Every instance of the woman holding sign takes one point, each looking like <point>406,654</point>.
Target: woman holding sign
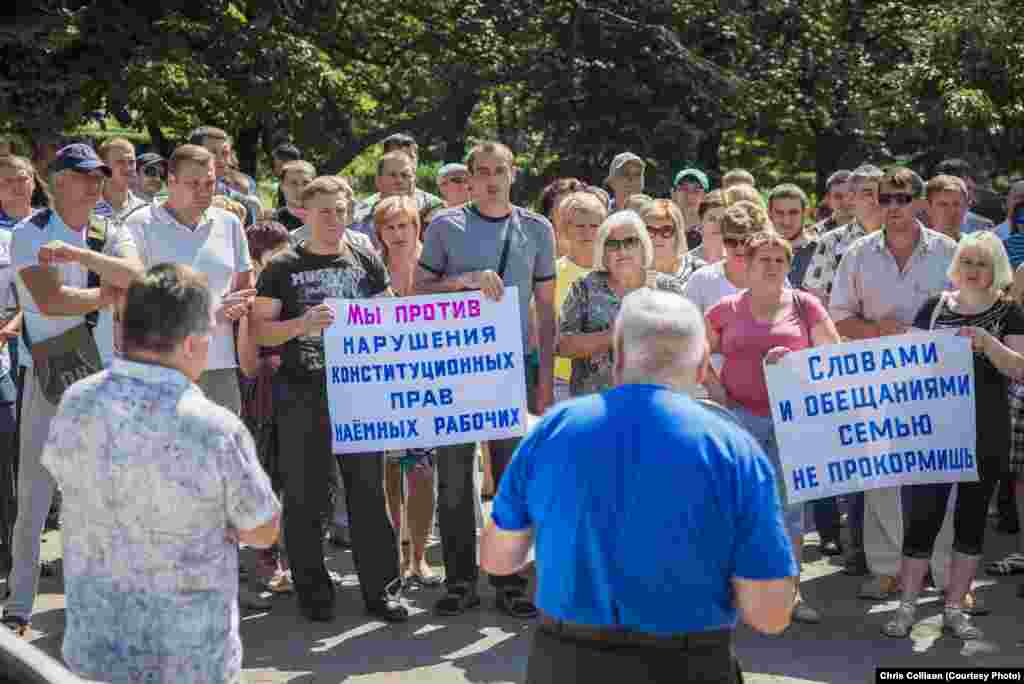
<point>978,309</point>
<point>409,474</point>
<point>622,256</point>
<point>758,326</point>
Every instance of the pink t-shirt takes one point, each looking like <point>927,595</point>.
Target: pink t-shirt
<point>745,341</point>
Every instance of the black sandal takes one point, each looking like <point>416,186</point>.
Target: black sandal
<point>513,602</point>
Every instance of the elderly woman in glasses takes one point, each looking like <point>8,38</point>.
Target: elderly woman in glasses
<point>623,254</point>
<point>979,309</point>
<point>667,228</point>
<point>757,326</point>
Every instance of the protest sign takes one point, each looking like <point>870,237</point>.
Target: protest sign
<point>419,372</point>
<point>875,413</point>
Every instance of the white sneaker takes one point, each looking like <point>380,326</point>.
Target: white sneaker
<point>901,624</point>
<point>958,623</point>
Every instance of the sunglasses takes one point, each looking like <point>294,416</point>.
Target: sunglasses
<point>690,187</point>
<point>632,242</point>
<point>663,232</point>
<point>733,243</point>
<point>153,171</point>
<point>899,199</point>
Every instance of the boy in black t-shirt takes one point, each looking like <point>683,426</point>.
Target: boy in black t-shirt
<point>290,312</point>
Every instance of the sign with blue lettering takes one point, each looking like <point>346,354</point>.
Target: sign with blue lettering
<point>420,372</point>
<point>875,413</point>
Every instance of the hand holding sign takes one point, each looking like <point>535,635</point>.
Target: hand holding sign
<point>234,305</point>
<point>488,282</point>
<point>317,318</point>
<point>979,337</point>
<point>775,354</point>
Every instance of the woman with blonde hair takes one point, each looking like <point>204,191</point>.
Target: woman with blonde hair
<point>667,228</point>
<point>979,309</point>
<point>409,474</point>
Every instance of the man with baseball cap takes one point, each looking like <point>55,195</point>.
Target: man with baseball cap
<point>453,182</point>
<point>67,267</point>
<point>625,178</point>
<point>688,190</point>
<point>152,172</point>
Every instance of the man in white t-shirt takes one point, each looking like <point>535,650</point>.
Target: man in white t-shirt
<point>53,253</point>
<point>186,229</point>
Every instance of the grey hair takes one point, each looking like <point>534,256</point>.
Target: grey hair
<point>622,219</point>
<point>659,334</point>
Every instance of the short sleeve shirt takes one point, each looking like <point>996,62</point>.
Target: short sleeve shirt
<point>105,210</point>
<point>300,280</point>
<point>568,273</point>
<point>26,241</point>
<point>462,240</point>
<point>6,296</point>
<point>666,503</point>
<point>153,475</point>
<point>216,247</point>
<point>592,306</point>
<point>830,250</point>
<point>870,284</point>
<point>745,341</point>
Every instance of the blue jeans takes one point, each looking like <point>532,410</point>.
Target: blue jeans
<point>763,430</point>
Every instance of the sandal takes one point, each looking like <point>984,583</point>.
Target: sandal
<point>1011,565</point>
<point>513,602</point>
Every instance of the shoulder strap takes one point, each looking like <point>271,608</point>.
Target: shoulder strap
<point>513,220</point>
<point>937,310</point>
<point>799,306</point>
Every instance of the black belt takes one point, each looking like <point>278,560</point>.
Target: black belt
<point>613,636</point>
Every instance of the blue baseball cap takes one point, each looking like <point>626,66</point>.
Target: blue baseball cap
<point>79,157</point>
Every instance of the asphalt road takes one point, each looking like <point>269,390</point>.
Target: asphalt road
<point>485,646</point>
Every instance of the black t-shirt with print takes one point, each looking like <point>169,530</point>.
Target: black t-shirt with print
<point>301,280</point>
<point>991,406</point>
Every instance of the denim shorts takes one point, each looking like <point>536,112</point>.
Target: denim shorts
<point>763,430</point>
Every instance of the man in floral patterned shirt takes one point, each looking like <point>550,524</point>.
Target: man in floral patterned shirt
<point>159,485</point>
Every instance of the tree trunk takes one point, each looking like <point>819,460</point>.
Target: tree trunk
<point>247,147</point>
<point>455,137</point>
<point>160,143</point>
<point>709,152</point>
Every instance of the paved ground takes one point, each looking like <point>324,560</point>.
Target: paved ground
<point>484,646</point>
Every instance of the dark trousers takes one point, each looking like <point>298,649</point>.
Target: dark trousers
<point>557,659</point>
<point>926,508</point>
<point>855,519</point>
<point>456,495</point>
<point>1007,505</point>
<point>826,518</point>
<point>308,468</point>
<point>8,465</point>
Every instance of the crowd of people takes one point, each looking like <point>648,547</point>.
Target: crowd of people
<point>191,316</point>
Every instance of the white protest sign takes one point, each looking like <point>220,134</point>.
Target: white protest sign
<point>419,372</point>
<point>875,413</point>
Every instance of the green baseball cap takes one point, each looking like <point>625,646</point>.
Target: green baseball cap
<point>695,174</point>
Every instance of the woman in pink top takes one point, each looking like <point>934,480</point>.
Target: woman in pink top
<point>757,326</point>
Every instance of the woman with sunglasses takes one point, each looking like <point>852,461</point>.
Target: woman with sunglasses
<point>667,229</point>
<point>759,326</point>
<point>623,254</point>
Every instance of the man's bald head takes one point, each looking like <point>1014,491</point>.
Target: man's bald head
<point>659,338</point>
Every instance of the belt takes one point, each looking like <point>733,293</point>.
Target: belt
<point>618,636</point>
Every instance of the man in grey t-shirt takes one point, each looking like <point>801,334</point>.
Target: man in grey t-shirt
<point>463,250</point>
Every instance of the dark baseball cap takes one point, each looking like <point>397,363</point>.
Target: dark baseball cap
<point>79,157</point>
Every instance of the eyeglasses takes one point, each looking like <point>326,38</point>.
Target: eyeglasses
<point>153,171</point>
<point>631,242</point>
<point>663,232</point>
<point>900,199</point>
<point>733,243</point>
<point>690,187</point>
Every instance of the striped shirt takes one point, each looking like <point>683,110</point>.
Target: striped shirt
<point>1014,243</point>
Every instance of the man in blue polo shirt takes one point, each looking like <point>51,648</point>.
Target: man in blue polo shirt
<point>656,519</point>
